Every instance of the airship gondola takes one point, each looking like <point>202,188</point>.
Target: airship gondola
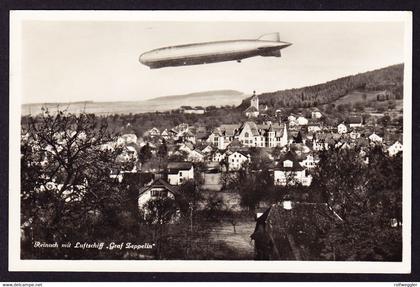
<point>268,45</point>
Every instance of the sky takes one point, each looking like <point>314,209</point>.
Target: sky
<point>66,61</point>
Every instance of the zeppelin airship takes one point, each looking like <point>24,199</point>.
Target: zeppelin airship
<point>268,45</point>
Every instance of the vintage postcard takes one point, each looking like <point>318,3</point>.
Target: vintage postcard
<point>210,141</point>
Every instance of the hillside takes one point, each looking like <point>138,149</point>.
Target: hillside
<point>205,99</point>
<point>387,80</point>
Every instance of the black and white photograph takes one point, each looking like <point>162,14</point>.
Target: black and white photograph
<point>219,140</point>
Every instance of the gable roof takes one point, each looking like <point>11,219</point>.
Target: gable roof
<point>174,167</point>
<point>160,183</point>
<point>252,126</point>
<point>228,129</point>
<point>277,230</point>
<point>293,157</point>
<point>251,109</point>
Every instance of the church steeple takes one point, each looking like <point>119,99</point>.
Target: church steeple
<point>255,101</point>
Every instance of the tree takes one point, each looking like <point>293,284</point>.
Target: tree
<point>367,201</point>
<point>66,189</point>
<point>145,153</point>
<point>159,213</point>
<point>163,150</point>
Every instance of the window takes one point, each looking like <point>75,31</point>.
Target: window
<point>180,173</point>
<point>246,134</point>
<point>287,163</point>
<point>159,193</point>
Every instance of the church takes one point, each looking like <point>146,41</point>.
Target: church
<point>253,110</point>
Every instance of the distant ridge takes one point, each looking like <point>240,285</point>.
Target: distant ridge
<point>197,95</point>
<point>206,98</point>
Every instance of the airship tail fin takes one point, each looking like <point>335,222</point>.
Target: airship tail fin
<point>274,37</point>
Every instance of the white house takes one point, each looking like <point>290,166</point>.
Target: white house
<point>180,172</point>
<point>218,156</point>
<point>196,110</point>
<point>302,121</point>
<point>312,128</point>
<point>395,148</point>
<point>153,132</point>
<point>290,172</point>
<point>342,128</point>
<point>195,156</point>
<point>165,134</point>
<point>316,114</point>
<point>127,139</point>
<point>236,160</point>
<point>309,162</point>
<point>158,189</point>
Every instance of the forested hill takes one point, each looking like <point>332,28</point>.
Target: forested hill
<point>386,79</point>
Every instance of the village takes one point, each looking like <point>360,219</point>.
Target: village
<point>291,146</point>
<point>227,182</point>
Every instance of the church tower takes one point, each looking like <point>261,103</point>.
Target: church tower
<point>254,101</point>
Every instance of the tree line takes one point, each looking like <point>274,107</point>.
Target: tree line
<point>389,79</point>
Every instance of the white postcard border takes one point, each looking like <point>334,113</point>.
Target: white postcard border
<point>17,264</point>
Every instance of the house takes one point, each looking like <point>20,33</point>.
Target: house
<point>290,172</point>
<point>342,128</point>
<point>249,136</point>
<point>374,138</point>
<point>212,177</point>
<point>186,147</point>
<point>128,153</point>
<point>302,121</point>
<point>237,159</point>
<point>158,189</point>
<point>207,150</point>
<point>316,114</point>
<point>310,161</point>
<point>153,132</point>
<point>253,110</point>
<point>291,118</point>
<point>313,128</point>
<point>201,134</point>
<point>355,121</point>
<point>195,156</point>
<point>286,231</point>
<point>354,134</point>
<point>127,139</point>
<point>218,156</point>
<point>196,110</point>
<point>186,136</point>
<point>227,134</point>
<point>395,148</point>
<point>165,134</point>
<point>179,172</point>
